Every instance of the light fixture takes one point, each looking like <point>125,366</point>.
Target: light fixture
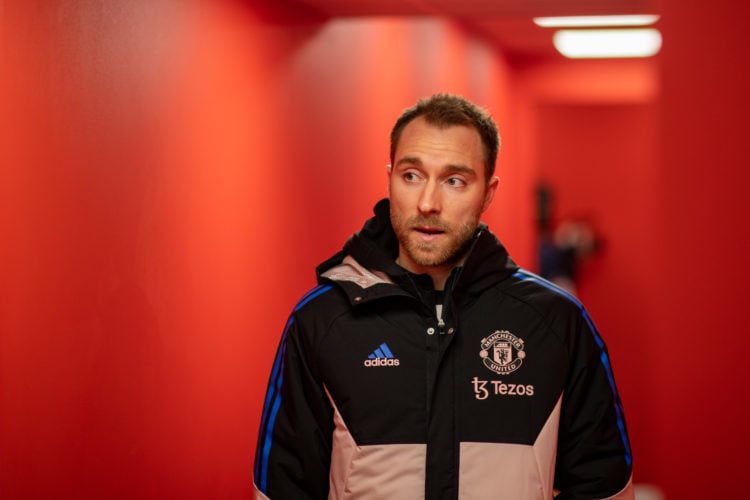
<point>644,42</point>
<point>595,21</point>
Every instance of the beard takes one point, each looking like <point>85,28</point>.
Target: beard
<point>450,248</point>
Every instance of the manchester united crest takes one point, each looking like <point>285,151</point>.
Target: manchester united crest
<point>502,352</point>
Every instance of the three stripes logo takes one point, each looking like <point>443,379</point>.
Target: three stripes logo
<point>382,356</point>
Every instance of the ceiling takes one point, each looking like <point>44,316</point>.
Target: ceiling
<point>506,23</point>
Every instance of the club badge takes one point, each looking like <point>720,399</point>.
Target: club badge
<point>502,352</point>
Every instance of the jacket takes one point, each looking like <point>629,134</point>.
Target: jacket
<point>508,394</point>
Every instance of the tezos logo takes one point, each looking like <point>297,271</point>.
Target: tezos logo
<point>502,352</point>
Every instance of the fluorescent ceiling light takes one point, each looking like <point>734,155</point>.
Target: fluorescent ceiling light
<point>591,21</point>
<point>608,43</point>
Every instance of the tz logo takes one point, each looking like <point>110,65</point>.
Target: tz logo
<point>502,352</point>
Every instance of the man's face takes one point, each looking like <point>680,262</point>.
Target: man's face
<point>438,191</point>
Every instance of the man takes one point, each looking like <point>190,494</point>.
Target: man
<point>426,364</point>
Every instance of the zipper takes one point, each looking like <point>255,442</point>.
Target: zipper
<point>432,344</point>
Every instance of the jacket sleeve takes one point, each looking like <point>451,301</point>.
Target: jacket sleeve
<point>292,457</point>
<point>594,457</point>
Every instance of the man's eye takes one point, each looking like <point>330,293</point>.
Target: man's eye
<point>455,182</point>
<point>410,177</point>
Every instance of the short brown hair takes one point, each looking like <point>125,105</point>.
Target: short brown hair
<point>445,110</point>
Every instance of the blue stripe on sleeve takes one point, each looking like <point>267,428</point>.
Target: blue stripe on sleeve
<point>315,292</point>
<point>272,401</point>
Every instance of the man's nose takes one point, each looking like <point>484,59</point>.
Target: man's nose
<point>429,199</point>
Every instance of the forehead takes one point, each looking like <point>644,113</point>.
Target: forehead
<point>453,144</point>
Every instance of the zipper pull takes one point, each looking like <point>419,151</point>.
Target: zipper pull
<point>441,326</point>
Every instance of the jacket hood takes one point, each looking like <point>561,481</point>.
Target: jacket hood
<point>375,247</point>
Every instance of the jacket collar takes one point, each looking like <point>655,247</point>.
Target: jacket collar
<point>366,267</point>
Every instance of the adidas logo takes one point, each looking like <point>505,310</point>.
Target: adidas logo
<point>382,356</point>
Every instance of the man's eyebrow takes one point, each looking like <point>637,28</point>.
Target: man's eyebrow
<point>452,168</point>
<point>461,169</point>
<point>409,160</point>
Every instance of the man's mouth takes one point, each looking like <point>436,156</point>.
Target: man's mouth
<point>428,233</point>
<point>428,230</point>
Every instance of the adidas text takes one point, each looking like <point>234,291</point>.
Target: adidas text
<point>381,362</point>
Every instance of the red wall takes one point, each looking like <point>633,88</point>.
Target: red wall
<point>171,173</point>
<point>701,268</point>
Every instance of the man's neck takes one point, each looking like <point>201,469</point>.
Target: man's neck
<point>440,279</point>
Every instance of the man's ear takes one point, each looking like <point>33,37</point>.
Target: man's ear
<point>490,194</point>
<point>389,169</point>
